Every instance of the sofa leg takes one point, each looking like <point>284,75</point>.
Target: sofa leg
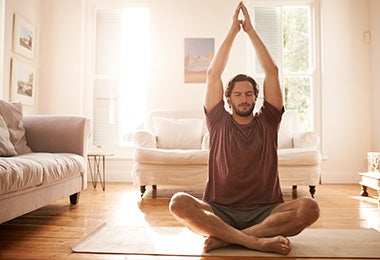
<point>74,198</point>
<point>154,192</point>
<point>142,190</point>
<point>294,191</point>
<point>312,191</point>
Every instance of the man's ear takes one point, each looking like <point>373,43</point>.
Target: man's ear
<point>228,101</point>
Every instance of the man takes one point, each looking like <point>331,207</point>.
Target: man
<point>243,203</point>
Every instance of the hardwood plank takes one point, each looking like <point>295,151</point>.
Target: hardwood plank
<point>50,231</point>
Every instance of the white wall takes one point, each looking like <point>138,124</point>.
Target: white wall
<point>374,8</point>
<point>350,82</point>
<point>61,66</point>
<point>2,26</point>
<point>346,114</point>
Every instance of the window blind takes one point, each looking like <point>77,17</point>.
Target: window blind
<point>268,26</point>
<point>106,112</point>
<point>106,82</point>
<point>108,42</point>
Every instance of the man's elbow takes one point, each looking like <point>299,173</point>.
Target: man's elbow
<point>213,74</point>
<point>273,71</point>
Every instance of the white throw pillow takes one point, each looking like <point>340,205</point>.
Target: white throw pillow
<point>12,114</point>
<point>307,140</point>
<point>6,147</point>
<point>178,133</point>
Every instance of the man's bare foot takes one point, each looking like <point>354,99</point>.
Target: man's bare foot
<point>214,243</point>
<point>278,244</point>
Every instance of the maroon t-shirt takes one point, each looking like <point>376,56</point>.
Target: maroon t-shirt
<point>243,164</point>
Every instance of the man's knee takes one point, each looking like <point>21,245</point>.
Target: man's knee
<point>309,211</point>
<point>178,202</point>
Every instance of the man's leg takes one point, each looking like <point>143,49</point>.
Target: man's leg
<point>199,217</point>
<point>287,219</point>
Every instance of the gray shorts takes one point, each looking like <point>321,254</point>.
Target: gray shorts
<point>241,219</point>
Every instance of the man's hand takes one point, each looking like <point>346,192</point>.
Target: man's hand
<point>236,23</point>
<point>246,22</point>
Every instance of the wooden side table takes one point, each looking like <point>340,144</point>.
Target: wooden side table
<point>370,180</point>
<point>95,172</point>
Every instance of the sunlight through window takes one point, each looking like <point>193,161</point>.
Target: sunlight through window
<point>135,67</point>
<point>121,76</point>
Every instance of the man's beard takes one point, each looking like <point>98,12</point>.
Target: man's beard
<point>243,113</point>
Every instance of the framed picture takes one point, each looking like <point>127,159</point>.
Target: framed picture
<point>198,55</point>
<point>23,86</point>
<point>23,37</point>
<point>373,161</point>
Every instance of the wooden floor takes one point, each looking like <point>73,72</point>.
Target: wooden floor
<point>49,232</point>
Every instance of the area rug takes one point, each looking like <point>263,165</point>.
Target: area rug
<point>163,192</point>
<point>178,241</point>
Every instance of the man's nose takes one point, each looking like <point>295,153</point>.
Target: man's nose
<point>244,98</point>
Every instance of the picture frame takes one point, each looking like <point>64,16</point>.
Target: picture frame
<point>198,55</point>
<point>23,86</point>
<point>23,37</point>
<point>373,159</point>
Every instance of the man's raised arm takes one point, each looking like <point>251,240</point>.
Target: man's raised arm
<point>272,89</point>
<point>214,84</point>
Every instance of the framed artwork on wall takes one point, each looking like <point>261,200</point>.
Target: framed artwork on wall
<point>23,37</point>
<point>373,161</point>
<point>23,85</point>
<point>198,55</point>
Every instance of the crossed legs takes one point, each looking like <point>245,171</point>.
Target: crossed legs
<point>287,219</point>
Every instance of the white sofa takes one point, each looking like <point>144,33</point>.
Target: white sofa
<point>173,150</point>
<point>43,159</point>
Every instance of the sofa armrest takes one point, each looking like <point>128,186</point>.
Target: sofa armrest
<point>144,138</point>
<point>205,141</point>
<point>306,140</point>
<point>57,133</point>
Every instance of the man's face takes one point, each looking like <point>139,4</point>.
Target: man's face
<point>242,99</point>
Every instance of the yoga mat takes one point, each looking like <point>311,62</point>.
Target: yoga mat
<point>180,241</point>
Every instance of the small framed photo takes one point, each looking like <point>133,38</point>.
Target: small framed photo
<point>23,86</point>
<point>373,161</point>
<point>23,37</point>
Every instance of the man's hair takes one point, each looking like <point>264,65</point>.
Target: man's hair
<point>238,78</point>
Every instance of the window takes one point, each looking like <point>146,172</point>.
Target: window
<point>288,32</point>
<point>121,73</point>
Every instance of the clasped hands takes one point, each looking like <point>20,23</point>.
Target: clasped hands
<point>244,23</point>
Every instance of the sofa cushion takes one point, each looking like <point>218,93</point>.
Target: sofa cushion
<point>178,133</point>
<point>31,169</point>
<point>12,114</point>
<point>6,147</point>
<point>57,166</point>
<point>298,156</point>
<point>170,157</point>
<point>17,174</point>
